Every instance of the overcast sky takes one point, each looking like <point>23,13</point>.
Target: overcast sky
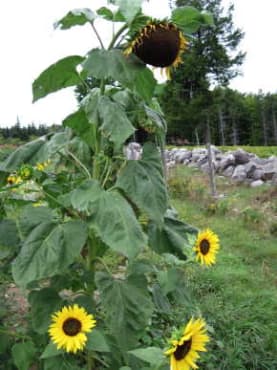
<point>29,44</point>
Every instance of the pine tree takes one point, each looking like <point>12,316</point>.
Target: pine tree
<point>211,59</point>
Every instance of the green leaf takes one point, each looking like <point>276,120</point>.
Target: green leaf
<point>76,17</point>
<point>51,350</point>
<point>79,123</point>
<point>152,355</point>
<point>144,184</point>
<point>112,218</point>
<point>187,18</point>
<point>160,300</point>
<point>129,71</point>
<point>30,217</point>
<point>208,18</point>
<point>116,124</point>
<point>97,342</point>
<point>128,307</point>
<point>23,354</point>
<point>156,117</point>
<point>24,154</point>
<point>58,76</point>
<point>61,363</point>
<point>9,239</point>
<point>4,342</point>
<point>129,8</point>
<point>169,279</point>
<point>172,237</point>
<point>48,250</point>
<point>43,303</point>
<point>105,13</point>
<point>173,281</point>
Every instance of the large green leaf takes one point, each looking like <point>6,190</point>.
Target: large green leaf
<point>49,249</point>
<point>129,71</point>
<point>144,184</point>
<point>111,217</point>
<point>128,307</point>
<point>107,14</point>
<point>187,18</point>
<point>79,123</point>
<point>152,355</point>
<point>172,237</point>
<point>23,354</point>
<point>30,217</point>
<point>115,123</point>
<point>129,8</point>
<point>97,341</point>
<point>58,76</point>
<point>24,154</point>
<point>44,303</point>
<point>9,238</point>
<point>76,17</point>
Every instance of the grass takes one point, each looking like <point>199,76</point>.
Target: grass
<point>238,296</point>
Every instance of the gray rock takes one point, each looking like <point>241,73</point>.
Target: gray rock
<point>226,161</point>
<point>256,183</point>
<point>258,174</point>
<point>241,156</point>
<point>270,169</point>
<point>239,173</point>
<point>250,167</point>
<point>182,155</point>
<point>228,172</point>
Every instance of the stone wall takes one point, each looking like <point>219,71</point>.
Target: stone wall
<point>239,165</point>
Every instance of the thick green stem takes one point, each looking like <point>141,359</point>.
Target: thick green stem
<point>116,36</point>
<point>90,362</point>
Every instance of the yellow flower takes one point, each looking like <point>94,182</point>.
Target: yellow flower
<point>69,327</point>
<point>159,44</point>
<point>13,179</point>
<point>206,247</point>
<point>184,351</point>
<point>42,165</point>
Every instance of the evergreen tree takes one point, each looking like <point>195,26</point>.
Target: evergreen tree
<point>211,59</point>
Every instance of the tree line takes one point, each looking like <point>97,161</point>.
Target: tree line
<point>18,133</point>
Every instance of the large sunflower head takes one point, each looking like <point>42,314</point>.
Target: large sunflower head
<point>206,247</point>
<point>184,349</point>
<point>69,327</point>
<point>159,44</point>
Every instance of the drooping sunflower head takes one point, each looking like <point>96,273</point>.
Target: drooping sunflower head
<point>159,44</point>
<point>69,327</point>
<point>206,247</point>
<point>184,349</point>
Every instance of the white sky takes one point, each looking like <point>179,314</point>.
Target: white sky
<point>29,44</point>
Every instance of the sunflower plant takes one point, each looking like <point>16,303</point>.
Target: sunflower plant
<point>80,228</point>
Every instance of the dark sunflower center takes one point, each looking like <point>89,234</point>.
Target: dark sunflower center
<point>72,327</point>
<point>158,47</point>
<point>204,246</point>
<point>182,350</point>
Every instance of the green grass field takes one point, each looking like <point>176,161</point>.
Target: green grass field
<point>238,296</point>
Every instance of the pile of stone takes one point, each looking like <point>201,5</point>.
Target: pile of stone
<point>239,165</point>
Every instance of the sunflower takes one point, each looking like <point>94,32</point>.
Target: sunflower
<point>159,44</point>
<point>14,179</point>
<point>206,247</point>
<point>69,326</point>
<point>184,350</point>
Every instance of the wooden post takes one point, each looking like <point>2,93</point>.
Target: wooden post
<point>210,161</point>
